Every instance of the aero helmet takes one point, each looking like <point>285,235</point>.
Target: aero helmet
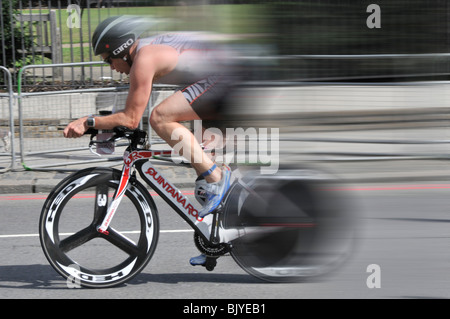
<point>116,35</point>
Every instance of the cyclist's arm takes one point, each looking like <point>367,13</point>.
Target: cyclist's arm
<point>141,80</point>
<point>150,62</point>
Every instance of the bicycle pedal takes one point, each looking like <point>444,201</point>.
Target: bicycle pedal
<point>210,263</point>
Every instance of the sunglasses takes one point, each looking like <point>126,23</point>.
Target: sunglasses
<point>108,60</point>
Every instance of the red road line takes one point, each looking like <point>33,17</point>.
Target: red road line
<point>389,188</point>
<point>43,196</point>
<point>351,188</point>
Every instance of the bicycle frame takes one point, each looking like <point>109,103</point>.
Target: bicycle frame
<point>208,226</point>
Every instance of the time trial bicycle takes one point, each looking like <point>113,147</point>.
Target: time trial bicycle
<point>280,228</point>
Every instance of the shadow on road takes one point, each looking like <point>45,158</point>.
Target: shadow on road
<point>29,277</point>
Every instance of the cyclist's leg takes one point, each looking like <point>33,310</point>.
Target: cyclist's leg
<point>165,120</point>
<point>208,98</point>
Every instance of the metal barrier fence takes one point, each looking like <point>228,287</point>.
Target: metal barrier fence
<point>7,132</point>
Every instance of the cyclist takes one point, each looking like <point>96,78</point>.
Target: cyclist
<point>180,58</point>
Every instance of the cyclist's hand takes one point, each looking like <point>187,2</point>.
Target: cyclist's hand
<point>76,128</point>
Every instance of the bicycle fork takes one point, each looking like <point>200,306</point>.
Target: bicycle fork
<point>102,228</point>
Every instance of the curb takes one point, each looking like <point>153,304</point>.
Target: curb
<point>17,183</point>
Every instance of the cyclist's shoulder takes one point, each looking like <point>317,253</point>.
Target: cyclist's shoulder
<point>155,53</point>
<point>179,40</point>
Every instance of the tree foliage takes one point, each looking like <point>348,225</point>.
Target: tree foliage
<point>14,41</point>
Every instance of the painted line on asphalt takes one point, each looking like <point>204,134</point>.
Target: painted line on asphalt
<point>355,188</point>
<point>124,232</point>
<point>351,188</point>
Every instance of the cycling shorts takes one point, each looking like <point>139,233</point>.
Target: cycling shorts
<point>208,96</point>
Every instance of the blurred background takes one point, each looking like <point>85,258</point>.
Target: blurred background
<point>344,84</point>
<point>306,40</point>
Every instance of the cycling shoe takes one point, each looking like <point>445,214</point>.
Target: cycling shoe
<point>214,192</point>
<point>198,261</point>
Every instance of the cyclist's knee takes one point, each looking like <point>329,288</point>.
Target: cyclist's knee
<point>156,118</point>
